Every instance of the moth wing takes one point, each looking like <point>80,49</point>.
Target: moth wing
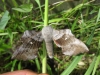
<point>67,41</point>
<point>27,47</point>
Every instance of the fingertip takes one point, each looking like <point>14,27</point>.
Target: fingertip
<point>20,72</point>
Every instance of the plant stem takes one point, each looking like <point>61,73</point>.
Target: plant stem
<point>44,61</point>
<point>46,13</point>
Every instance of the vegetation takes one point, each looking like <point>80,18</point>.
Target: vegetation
<point>83,20</point>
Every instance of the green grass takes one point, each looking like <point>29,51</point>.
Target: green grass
<point>83,20</point>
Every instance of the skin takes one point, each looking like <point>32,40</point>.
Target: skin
<point>22,72</point>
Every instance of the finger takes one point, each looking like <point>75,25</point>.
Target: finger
<point>20,72</point>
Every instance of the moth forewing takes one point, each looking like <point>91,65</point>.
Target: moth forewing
<point>29,44</point>
<point>67,41</point>
<point>28,33</point>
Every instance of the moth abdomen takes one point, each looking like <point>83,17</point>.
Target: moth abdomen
<point>49,47</point>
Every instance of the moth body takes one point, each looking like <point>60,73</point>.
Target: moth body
<point>47,35</point>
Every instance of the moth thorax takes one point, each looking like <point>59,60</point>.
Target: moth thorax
<point>47,33</point>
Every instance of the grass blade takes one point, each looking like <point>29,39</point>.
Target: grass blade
<point>98,17</point>
<point>72,65</point>
<point>37,64</point>
<point>38,2</point>
<point>88,72</point>
<point>96,65</point>
<point>13,65</point>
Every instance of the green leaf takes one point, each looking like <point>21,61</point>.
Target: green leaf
<point>96,65</point>
<point>98,17</point>
<point>56,20</point>
<point>13,65</point>
<point>4,20</point>
<point>72,65</point>
<point>38,64</point>
<point>19,66</point>
<point>1,34</point>
<point>38,2</point>
<point>88,72</point>
<point>24,8</point>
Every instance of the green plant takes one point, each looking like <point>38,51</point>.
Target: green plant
<point>14,23</point>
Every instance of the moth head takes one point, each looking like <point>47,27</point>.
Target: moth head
<point>47,33</point>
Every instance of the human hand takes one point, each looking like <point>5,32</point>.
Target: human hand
<point>22,72</point>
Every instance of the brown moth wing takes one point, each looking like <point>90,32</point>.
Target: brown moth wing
<point>27,47</point>
<point>67,41</point>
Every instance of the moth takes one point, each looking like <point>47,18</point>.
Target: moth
<point>28,45</point>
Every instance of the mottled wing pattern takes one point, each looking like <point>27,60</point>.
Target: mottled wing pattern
<point>27,47</point>
<point>67,41</point>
